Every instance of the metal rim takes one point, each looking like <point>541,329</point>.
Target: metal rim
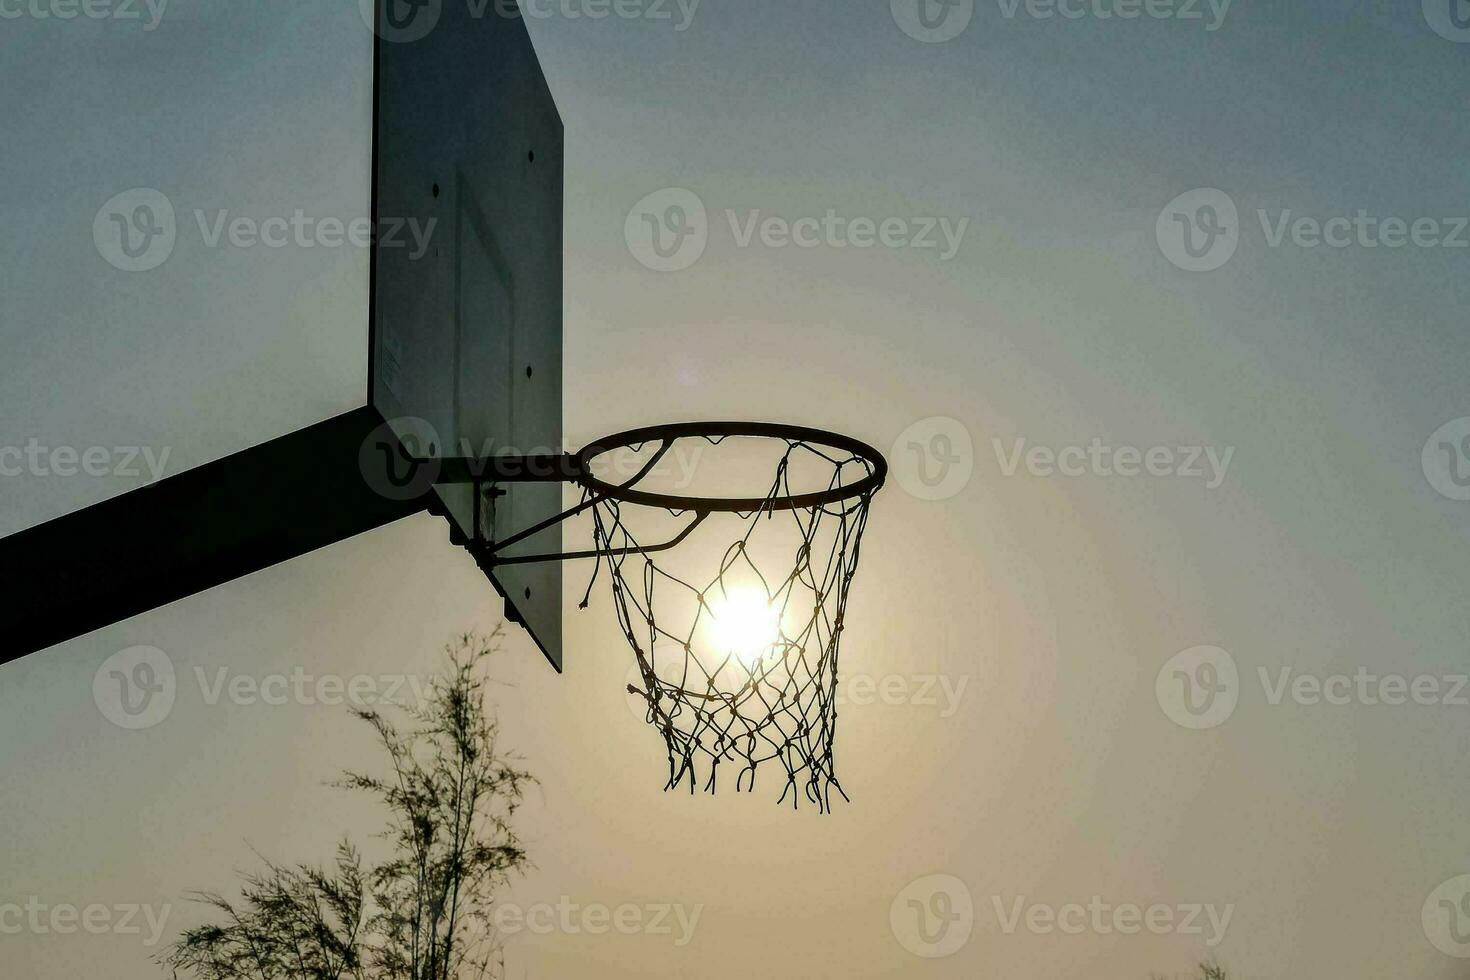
<point>867,486</point>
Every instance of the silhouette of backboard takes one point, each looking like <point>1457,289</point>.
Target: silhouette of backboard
<point>246,238</point>
<point>469,337</point>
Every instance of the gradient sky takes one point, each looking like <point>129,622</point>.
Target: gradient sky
<point>1055,601</point>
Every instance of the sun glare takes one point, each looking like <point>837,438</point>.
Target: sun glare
<point>745,623</point>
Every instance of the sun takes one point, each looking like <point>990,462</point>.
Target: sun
<point>745,623</point>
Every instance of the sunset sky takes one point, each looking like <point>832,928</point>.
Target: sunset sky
<point>1126,459</point>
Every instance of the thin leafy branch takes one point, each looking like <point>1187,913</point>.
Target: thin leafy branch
<point>423,913</point>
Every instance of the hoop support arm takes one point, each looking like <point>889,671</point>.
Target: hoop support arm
<point>490,553</point>
<point>576,468</point>
<point>485,472</point>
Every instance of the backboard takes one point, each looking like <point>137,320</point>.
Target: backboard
<point>468,336</point>
<point>207,328</point>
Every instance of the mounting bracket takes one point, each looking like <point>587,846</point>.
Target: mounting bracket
<point>487,473</point>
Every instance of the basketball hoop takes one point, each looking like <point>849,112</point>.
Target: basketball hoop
<point>737,633</point>
<point>763,690</point>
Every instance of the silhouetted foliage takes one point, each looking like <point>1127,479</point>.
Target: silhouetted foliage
<point>425,912</point>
